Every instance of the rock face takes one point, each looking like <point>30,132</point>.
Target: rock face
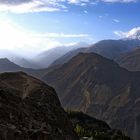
<point>30,110</point>
<point>101,88</point>
<point>130,61</point>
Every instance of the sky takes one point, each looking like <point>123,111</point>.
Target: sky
<point>32,26</point>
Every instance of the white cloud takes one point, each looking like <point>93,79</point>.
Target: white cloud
<point>100,16</point>
<point>13,2</point>
<point>86,12</point>
<point>96,1</point>
<point>121,1</point>
<point>116,20</point>
<point>61,35</point>
<point>103,16</point>
<point>79,2</point>
<point>24,6</point>
<point>16,38</point>
<point>132,34</point>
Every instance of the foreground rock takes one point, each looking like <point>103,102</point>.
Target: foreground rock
<point>30,110</point>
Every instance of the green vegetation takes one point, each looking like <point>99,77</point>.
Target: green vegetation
<point>86,126</point>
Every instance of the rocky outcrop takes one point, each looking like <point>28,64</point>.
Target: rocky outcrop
<point>30,110</point>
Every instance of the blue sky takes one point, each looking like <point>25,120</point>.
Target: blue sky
<point>44,24</point>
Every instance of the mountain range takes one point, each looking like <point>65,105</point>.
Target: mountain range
<point>45,58</point>
<point>97,80</point>
<point>99,87</point>
<point>111,49</point>
<point>108,48</point>
<point>7,66</point>
<point>17,59</point>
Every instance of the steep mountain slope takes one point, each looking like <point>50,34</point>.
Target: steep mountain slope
<point>99,87</point>
<point>107,48</point>
<point>130,61</point>
<point>49,56</point>
<point>29,109</point>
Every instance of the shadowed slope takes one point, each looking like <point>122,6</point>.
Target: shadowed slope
<point>29,109</point>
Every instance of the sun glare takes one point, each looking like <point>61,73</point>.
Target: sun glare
<point>18,39</point>
<point>10,35</point>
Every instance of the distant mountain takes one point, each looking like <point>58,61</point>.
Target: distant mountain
<point>132,43</point>
<point>26,63</point>
<point>6,65</point>
<point>107,48</point>
<point>68,56</point>
<point>29,109</point>
<point>131,60</point>
<point>47,57</point>
<point>40,73</point>
<point>99,87</point>
<point>19,60</point>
